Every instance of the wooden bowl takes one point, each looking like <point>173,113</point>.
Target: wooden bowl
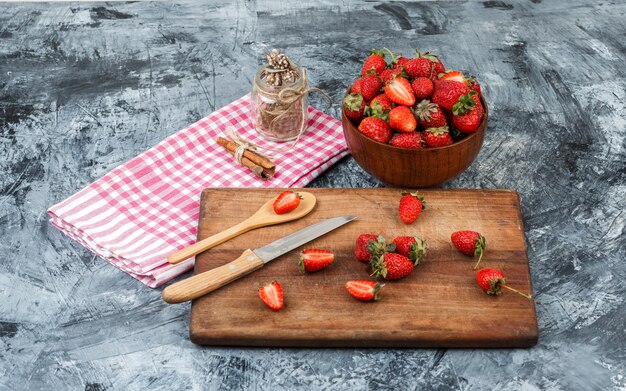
<point>401,167</point>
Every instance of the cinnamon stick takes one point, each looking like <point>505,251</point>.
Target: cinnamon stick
<point>261,166</point>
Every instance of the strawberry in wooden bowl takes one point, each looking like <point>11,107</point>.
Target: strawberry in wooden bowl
<point>411,123</point>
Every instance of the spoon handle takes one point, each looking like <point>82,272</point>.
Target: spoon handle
<point>207,243</point>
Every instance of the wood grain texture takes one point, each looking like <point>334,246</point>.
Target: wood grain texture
<point>439,305</point>
<point>424,167</point>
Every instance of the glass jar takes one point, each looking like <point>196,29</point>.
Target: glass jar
<point>280,113</point>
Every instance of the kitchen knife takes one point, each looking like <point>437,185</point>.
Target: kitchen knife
<point>250,260</point>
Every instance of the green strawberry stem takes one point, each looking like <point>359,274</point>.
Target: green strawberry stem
<point>516,291</point>
<point>480,257</point>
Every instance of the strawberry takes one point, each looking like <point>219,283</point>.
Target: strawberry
<point>370,86</point>
<point>411,140</point>
<point>383,101</point>
<point>411,206</point>
<point>454,75</point>
<point>437,137</point>
<point>312,260</point>
<point>368,245</point>
<point>391,266</point>
<point>272,295</point>
<point>375,61</point>
<point>447,93</point>
<point>437,64</point>
<point>286,202</point>
<point>364,290</point>
<point>401,118</point>
<point>419,67</point>
<point>468,113</point>
<point>491,281</point>
<point>411,247</point>
<point>356,86</point>
<point>375,128</point>
<point>470,243</point>
<point>400,62</point>
<point>422,87</point>
<point>389,74</point>
<point>399,90</point>
<point>473,84</point>
<point>430,115</point>
<point>353,106</point>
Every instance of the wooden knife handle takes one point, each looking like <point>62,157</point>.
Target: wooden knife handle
<point>207,243</point>
<point>203,283</point>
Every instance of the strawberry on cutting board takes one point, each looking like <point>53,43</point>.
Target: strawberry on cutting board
<point>412,247</point>
<point>286,202</point>
<point>410,207</point>
<point>272,295</point>
<point>364,290</point>
<point>391,266</point>
<point>368,245</point>
<point>470,243</point>
<point>491,281</point>
<point>312,260</point>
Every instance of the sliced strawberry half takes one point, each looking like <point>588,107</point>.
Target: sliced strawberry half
<point>313,259</point>
<point>399,90</point>
<point>272,295</point>
<point>454,75</point>
<point>286,202</point>
<point>364,290</point>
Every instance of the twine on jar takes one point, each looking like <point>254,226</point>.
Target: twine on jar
<point>286,98</point>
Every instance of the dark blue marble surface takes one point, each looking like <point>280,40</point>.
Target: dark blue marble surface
<point>87,86</point>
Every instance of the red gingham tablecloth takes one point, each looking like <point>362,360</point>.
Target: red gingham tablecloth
<point>141,211</point>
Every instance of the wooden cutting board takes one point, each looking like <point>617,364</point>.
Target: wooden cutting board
<point>438,305</point>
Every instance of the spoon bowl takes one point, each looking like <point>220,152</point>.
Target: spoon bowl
<point>263,217</point>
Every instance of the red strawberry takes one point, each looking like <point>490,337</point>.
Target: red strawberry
<point>388,74</point>
<point>468,113</point>
<point>439,68</point>
<point>422,87</point>
<point>447,93</point>
<point>401,118</point>
<point>364,290</point>
<point>399,90</point>
<point>411,247</point>
<point>368,245</point>
<point>376,128</point>
<point>437,64</point>
<point>473,84</point>
<point>419,67</point>
<point>272,295</point>
<point>437,137</point>
<point>356,86</point>
<point>353,106</point>
<point>470,243</point>
<point>375,61</point>
<point>411,206</point>
<point>286,202</point>
<point>491,281</point>
<point>400,62</point>
<point>411,140</point>
<point>391,266</point>
<point>383,101</point>
<point>430,115</point>
<point>312,260</point>
<point>370,86</point>
<point>454,75</point>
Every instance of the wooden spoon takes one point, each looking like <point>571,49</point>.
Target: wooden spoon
<point>261,218</point>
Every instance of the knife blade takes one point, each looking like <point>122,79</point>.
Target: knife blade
<point>250,260</point>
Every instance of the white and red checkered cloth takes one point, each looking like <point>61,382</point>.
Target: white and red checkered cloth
<point>141,211</point>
